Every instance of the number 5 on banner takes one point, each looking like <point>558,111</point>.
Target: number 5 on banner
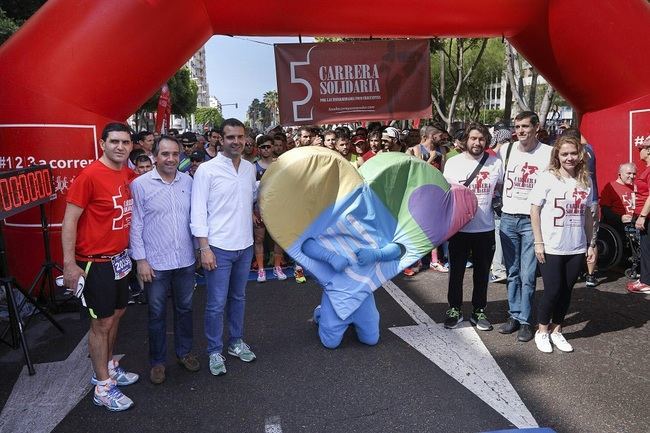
<point>295,80</point>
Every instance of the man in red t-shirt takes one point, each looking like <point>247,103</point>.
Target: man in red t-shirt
<point>617,199</point>
<point>95,238</point>
<point>642,285</point>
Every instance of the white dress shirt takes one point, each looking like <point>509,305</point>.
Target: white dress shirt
<point>222,203</point>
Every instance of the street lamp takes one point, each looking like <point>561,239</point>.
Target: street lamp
<point>226,105</point>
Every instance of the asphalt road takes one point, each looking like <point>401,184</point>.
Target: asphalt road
<point>296,385</point>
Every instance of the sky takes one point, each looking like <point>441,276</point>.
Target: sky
<point>242,68</point>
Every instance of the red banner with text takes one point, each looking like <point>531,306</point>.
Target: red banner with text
<point>353,81</point>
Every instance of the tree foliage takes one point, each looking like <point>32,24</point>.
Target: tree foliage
<point>183,91</point>
<point>13,13</point>
<point>271,102</point>
<point>259,116</point>
<point>208,117</point>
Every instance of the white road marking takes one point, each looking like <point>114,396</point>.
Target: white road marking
<point>38,403</point>
<point>461,354</point>
<point>272,425</point>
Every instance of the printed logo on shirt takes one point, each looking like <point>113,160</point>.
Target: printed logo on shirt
<point>628,202</point>
<point>481,184</point>
<point>125,206</point>
<point>520,184</point>
<point>571,211</point>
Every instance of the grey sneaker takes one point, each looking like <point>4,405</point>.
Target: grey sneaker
<point>479,319</point>
<point>454,317</point>
<point>217,364</point>
<point>241,350</point>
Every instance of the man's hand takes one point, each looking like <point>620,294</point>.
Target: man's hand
<point>257,219</point>
<point>71,275</point>
<point>626,218</point>
<point>539,253</point>
<point>208,260</point>
<point>640,223</point>
<point>145,272</point>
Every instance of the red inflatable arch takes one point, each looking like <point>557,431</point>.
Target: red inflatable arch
<point>78,64</point>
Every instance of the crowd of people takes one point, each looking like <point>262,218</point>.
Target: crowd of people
<point>163,207</point>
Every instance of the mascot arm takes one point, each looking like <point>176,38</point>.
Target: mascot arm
<point>368,256</point>
<point>314,251</point>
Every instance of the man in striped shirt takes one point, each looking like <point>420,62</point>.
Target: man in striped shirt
<point>161,243</point>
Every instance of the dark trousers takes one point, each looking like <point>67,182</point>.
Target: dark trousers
<point>559,274</point>
<point>645,255</point>
<point>481,246</point>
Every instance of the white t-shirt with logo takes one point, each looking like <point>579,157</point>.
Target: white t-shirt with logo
<point>564,204</point>
<point>458,169</point>
<point>521,172</point>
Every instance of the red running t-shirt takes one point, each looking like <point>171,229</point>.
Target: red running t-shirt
<point>618,197</point>
<point>104,195</point>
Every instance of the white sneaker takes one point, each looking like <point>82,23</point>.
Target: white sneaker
<point>542,342</point>
<point>261,276</point>
<point>277,271</point>
<point>560,342</point>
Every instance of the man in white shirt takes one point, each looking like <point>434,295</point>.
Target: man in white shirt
<point>221,220</point>
<point>479,172</point>
<point>523,161</point>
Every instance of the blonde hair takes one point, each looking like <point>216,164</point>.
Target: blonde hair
<point>582,175</point>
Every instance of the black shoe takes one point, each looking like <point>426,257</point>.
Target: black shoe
<point>480,320</point>
<point>454,317</point>
<point>525,333</point>
<point>510,326</point>
<point>591,280</point>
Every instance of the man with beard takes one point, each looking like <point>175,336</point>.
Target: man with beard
<point>477,237</point>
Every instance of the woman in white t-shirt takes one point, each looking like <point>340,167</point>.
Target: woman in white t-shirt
<point>563,227</point>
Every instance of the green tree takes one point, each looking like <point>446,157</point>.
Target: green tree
<point>208,116</point>
<point>182,90</point>
<point>270,100</point>
<point>258,115</point>
<point>452,67</point>
<point>13,13</point>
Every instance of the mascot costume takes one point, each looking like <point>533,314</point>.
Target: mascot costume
<point>355,230</point>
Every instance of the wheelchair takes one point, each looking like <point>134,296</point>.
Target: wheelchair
<point>614,245</point>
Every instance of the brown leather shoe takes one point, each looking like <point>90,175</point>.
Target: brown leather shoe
<point>157,374</point>
<point>190,362</point>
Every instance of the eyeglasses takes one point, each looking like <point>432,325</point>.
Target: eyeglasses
<point>265,147</point>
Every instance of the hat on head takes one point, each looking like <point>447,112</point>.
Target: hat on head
<point>197,155</point>
<point>391,132</point>
<point>358,139</point>
<point>188,137</point>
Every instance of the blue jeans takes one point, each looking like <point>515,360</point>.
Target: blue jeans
<point>518,245</point>
<point>181,284</point>
<point>226,283</point>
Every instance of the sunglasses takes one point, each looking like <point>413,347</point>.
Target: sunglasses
<point>265,147</point>
<point>188,145</point>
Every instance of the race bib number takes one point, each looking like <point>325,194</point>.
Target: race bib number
<point>121,265</point>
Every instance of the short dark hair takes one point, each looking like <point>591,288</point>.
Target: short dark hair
<point>534,118</point>
<point>572,132</point>
<point>342,134</point>
<point>156,143</point>
<point>134,154</point>
<point>143,134</point>
<point>115,127</point>
<point>280,136</point>
<point>233,123</point>
<point>141,158</point>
